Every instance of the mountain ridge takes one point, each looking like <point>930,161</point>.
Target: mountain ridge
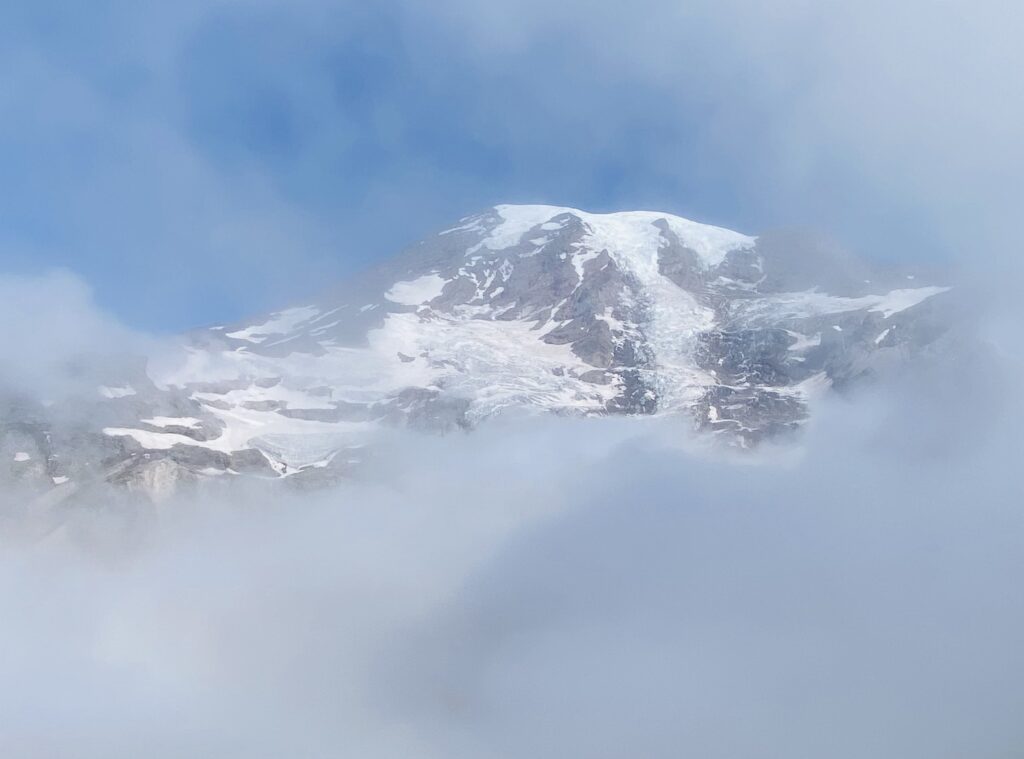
<point>538,308</point>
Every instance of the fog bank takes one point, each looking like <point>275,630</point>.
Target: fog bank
<point>549,587</point>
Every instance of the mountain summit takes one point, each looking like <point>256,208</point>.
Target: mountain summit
<point>520,307</point>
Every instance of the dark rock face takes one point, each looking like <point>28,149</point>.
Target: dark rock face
<point>746,356</point>
<point>430,410</point>
<point>519,307</point>
<point>679,264</point>
<point>750,414</point>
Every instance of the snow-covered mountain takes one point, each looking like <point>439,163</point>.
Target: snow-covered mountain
<point>520,307</point>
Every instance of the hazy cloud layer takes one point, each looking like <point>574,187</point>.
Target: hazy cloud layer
<point>541,587</point>
<point>56,338</point>
<point>548,587</point>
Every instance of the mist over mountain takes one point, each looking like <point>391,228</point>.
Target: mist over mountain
<point>732,477</point>
<point>544,586</point>
<point>519,309</point>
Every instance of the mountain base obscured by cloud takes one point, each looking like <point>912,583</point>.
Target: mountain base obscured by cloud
<point>545,588</point>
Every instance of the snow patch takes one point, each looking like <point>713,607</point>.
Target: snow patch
<point>711,243</point>
<point>803,342</point>
<point>417,291</point>
<point>173,421</point>
<point>471,224</point>
<point>901,300</point>
<point>811,303</point>
<point>280,323</point>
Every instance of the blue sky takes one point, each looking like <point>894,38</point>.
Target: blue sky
<point>201,162</point>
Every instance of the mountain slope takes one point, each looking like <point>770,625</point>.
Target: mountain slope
<point>523,307</point>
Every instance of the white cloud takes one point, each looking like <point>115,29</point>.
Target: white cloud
<point>54,333</point>
<point>542,588</point>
